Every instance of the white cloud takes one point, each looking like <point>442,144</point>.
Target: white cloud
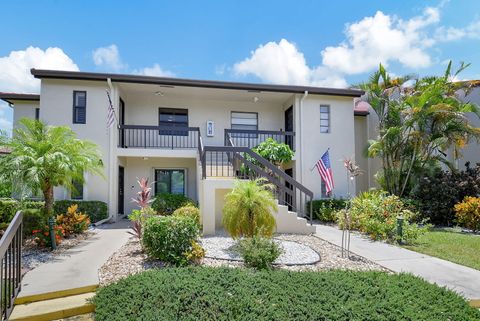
<point>15,68</point>
<point>15,73</point>
<point>108,57</point>
<point>155,70</point>
<point>383,38</point>
<point>283,63</point>
<point>471,31</point>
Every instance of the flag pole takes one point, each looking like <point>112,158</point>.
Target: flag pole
<point>109,81</point>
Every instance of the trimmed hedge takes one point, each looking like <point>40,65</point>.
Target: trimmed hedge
<point>96,210</point>
<point>166,203</point>
<point>33,219</point>
<point>8,208</point>
<point>202,294</point>
<point>324,209</point>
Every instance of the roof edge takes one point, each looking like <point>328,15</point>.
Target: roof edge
<point>78,75</point>
<point>9,97</point>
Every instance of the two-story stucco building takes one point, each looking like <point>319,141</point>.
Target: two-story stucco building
<point>194,136</point>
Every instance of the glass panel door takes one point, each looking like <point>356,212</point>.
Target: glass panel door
<point>170,181</point>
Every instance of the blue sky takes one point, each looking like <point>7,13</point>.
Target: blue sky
<point>325,43</point>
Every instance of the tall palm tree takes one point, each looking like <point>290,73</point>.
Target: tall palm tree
<point>417,124</point>
<point>248,209</point>
<point>43,157</point>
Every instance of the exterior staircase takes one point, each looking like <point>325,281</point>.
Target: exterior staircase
<point>54,305</point>
<point>220,165</point>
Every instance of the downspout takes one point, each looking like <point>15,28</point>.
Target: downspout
<point>300,123</point>
<point>110,167</point>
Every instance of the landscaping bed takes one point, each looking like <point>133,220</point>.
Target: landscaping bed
<point>450,244</point>
<point>33,255</point>
<point>130,259</point>
<point>203,293</point>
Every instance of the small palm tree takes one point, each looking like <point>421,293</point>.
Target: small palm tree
<point>248,209</point>
<point>43,157</point>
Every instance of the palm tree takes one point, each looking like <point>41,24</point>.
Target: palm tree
<point>417,124</point>
<point>43,157</point>
<point>248,209</point>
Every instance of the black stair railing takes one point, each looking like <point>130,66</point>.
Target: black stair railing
<point>11,265</point>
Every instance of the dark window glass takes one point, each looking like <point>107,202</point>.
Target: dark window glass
<point>175,119</point>
<point>79,107</point>
<point>169,181</point>
<point>77,192</point>
<point>244,121</point>
<point>37,113</point>
<point>324,119</point>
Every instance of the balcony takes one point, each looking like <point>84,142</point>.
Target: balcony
<point>166,137</point>
<point>251,138</point>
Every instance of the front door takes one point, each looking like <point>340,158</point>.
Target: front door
<point>289,126</point>
<point>121,190</point>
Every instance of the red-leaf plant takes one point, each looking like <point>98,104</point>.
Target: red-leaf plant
<point>143,201</point>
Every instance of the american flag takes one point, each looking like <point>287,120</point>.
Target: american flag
<point>325,171</point>
<point>111,112</point>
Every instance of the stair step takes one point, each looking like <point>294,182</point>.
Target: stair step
<point>55,294</point>
<point>54,309</point>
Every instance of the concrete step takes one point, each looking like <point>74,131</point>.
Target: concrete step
<point>54,309</point>
<point>54,294</point>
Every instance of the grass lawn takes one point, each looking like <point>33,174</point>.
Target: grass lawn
<point>201,293</point>
<point>451,245</point>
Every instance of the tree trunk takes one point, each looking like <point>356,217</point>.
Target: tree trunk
<point>48,197</point>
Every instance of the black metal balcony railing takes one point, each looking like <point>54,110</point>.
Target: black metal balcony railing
<point>11,265</point>
<point>137,136</point>
<point>251,138</point>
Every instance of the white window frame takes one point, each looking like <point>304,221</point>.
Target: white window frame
<point>325,116</point>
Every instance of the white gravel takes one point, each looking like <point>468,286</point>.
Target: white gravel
<point>294,253</point>
<point>34,255</point>
<point>131,259</point>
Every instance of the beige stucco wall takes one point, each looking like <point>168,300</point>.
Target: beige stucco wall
<point>471,152</point>
<point>137,167</point>
<point>361,140</point>
<point>56,109</point>
<point>312,144</point>
<point>142,109</point>
<point>24,109</point>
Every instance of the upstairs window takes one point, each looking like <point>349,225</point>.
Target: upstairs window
<point>244,121</point>
<point>324,119</point>
<point>77,191</point>
<point>79,107</point>
<point>174,118</point>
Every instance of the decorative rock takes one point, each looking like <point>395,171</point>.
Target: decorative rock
<point>223,248</point>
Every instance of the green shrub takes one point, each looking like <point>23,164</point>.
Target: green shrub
<point>166,203</point>
<point>5,189</point>
<point>32,204</point>
<point>375,213</point>
<point>468,213</point>
<point>33,219</point>
<point>8,208</point>
<point>96,210</point>
<point>325,209</point>
<point>204,294</point>
<point>437,194</point>
<point>188,211</point>
<point>170,238</point>
<point>258,252</point>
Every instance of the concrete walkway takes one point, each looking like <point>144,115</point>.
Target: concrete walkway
<point>463,280</point>
<point>78,266</point>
